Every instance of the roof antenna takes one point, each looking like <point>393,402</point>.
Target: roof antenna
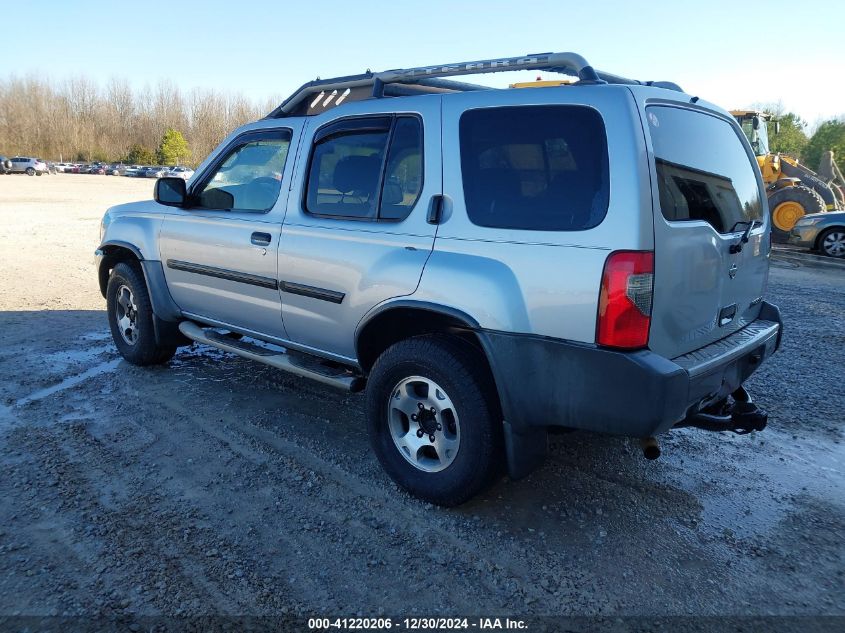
<point>693,100</point>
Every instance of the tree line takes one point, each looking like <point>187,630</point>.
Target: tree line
<point>78,120</point>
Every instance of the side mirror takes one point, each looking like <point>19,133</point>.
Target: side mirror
<point>171,192</point>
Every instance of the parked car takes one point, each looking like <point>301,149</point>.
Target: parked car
<point>486,263</point>
<point>5,165</point>
<point>822,232</point>
<point>184,173</point>
<point>28,166</point>
<point>61,167</point>
<point>155,172</point>
<point>132,171</point>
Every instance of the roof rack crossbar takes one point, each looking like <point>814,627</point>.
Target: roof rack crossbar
<point>433,77</point>
<point>569,63</point>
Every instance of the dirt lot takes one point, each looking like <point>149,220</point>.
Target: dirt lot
<point>214,485</point>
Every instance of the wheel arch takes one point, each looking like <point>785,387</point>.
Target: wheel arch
<point>115,252</point>
<point>397,320</point>
<point>525,448</point>
<point>166,314</point>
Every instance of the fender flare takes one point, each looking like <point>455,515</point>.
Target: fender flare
<point>121,244</point>
<point>416,304</point>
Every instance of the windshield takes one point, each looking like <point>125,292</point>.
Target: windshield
<point>759,138</point>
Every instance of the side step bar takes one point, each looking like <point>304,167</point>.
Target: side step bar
<point>293,362</point>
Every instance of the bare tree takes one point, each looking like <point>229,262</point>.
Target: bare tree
<point>78,119</point>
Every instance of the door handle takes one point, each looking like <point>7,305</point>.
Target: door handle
<point>261,239</point>
<point>435,209</point>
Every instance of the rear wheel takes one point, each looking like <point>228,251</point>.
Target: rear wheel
<point>790,204</point>
<point>433,419</point>
<point>131,317</point>
<point>30,171</point>
<point>832,243</point>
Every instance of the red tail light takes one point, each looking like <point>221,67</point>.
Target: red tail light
<point>625,300</point>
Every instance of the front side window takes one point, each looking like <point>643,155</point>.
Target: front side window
<point>540,168</point>
<point>249,177</point>
<point>703,170</point>
<point>366,169</point>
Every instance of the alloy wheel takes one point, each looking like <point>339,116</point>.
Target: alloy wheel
<point>424,424</point>
<point>833,244</point>
<point>127,314</point>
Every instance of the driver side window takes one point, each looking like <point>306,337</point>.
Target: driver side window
<point>249,177</point>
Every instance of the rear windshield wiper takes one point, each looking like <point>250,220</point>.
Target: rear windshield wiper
<point>737,247</point>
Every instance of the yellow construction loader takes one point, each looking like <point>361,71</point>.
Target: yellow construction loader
<point>793,189</point>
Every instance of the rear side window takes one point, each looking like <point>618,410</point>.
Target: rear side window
<point>540,168</point>
<point>703,170</point>
<point>366,169</point>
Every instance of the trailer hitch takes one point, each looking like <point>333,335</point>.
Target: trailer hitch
<point>741,416</point>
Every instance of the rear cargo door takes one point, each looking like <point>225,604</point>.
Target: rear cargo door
<point>707,191</point>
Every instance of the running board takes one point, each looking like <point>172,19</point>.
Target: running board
<point>293,362</point>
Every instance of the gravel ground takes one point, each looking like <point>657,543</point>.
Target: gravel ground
<point>218,486</point>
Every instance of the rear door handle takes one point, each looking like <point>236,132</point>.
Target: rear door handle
<point>261,239</point>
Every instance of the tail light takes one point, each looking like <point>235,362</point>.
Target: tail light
<point>627,286</point>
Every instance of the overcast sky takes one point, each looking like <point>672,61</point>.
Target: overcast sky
<point>732,53</point>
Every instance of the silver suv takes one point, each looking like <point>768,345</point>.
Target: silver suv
<point>28,166</point>
<point>485,263</point>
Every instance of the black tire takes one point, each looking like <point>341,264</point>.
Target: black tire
<point>461,372</point>
<point>809,201</point>
<point>30,171</point>
<point>142,349</point>
<point>835,246</point>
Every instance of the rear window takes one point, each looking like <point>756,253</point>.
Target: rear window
<point>539,168</point>
<point>703,170</point>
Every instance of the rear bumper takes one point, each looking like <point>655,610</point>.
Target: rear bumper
<point>546,382</point>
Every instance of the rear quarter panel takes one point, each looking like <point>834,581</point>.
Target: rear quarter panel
<point>539,282</point>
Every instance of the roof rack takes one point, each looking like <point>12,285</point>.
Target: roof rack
<point>318,95</point>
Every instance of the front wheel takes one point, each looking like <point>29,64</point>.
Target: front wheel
<point>433,420</point>
<point>832,243</point>
<point>131,317</point>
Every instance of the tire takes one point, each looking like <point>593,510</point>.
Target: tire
<point>467,428</point>
<point>30,171</point>
<point>132,330</point>
<point>832,243</point>
<point>788,205</point>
